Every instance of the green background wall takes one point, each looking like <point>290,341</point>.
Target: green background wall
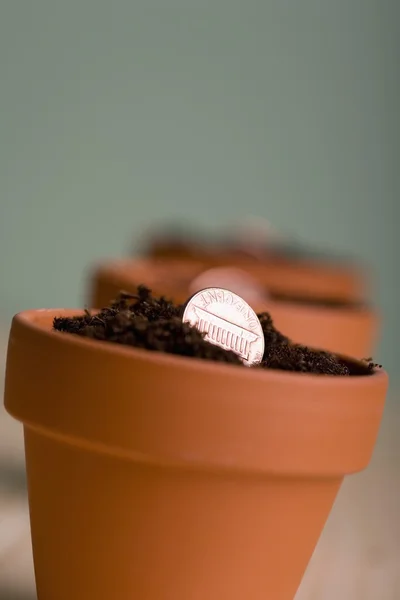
<point>116,113</point>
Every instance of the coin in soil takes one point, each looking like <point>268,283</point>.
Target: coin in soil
<point>231,278</point>
<point>227,321</point>
<point>254,235</point>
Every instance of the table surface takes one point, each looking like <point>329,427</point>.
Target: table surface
<point>357,558</point>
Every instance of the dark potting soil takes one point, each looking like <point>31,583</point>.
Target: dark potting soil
<point>144,321</point>
<point>310,301</point>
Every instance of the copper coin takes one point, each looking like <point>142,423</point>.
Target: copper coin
<point>254,235</point>
<point>233,279</point>
<point>228,322</point>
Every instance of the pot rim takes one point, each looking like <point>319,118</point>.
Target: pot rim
<point>33,320</point>
<point>120,272</point>
<point>162,409</point>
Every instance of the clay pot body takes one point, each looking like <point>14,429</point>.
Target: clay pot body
<point>168,478</point>
<point>170,278</point>
<point>346,330</point>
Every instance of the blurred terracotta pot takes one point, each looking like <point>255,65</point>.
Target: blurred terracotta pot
<point>309,280</point>
<point>279,273</point>
<point>168,277</point>
<point>345,329</point>
<point>351,331</point>
<point>168,478</point>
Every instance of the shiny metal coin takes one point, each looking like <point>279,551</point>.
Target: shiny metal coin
<point>256,235</point>
<point>230,278</point>
<point>228,322</point>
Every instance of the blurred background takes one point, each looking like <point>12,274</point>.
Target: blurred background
<point>116,116</point>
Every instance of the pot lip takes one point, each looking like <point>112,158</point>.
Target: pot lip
<point>116,270</point>
<point>39,323</point>
<point>320,310</point>
<point>117,265</point>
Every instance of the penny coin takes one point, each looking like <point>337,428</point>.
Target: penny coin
<point>228,322</point>
<point>233,279</point>
<point>256,235</point>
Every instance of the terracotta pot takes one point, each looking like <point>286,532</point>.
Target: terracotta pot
<point>168,277</point>
<point>346,330</point>
<point>279,273</point>
<point>350,331</point>
<point>309,279</point>
<point>169,478</point>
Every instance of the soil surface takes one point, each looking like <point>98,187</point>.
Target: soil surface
<point>310,301</point>
<point>155,323</point>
